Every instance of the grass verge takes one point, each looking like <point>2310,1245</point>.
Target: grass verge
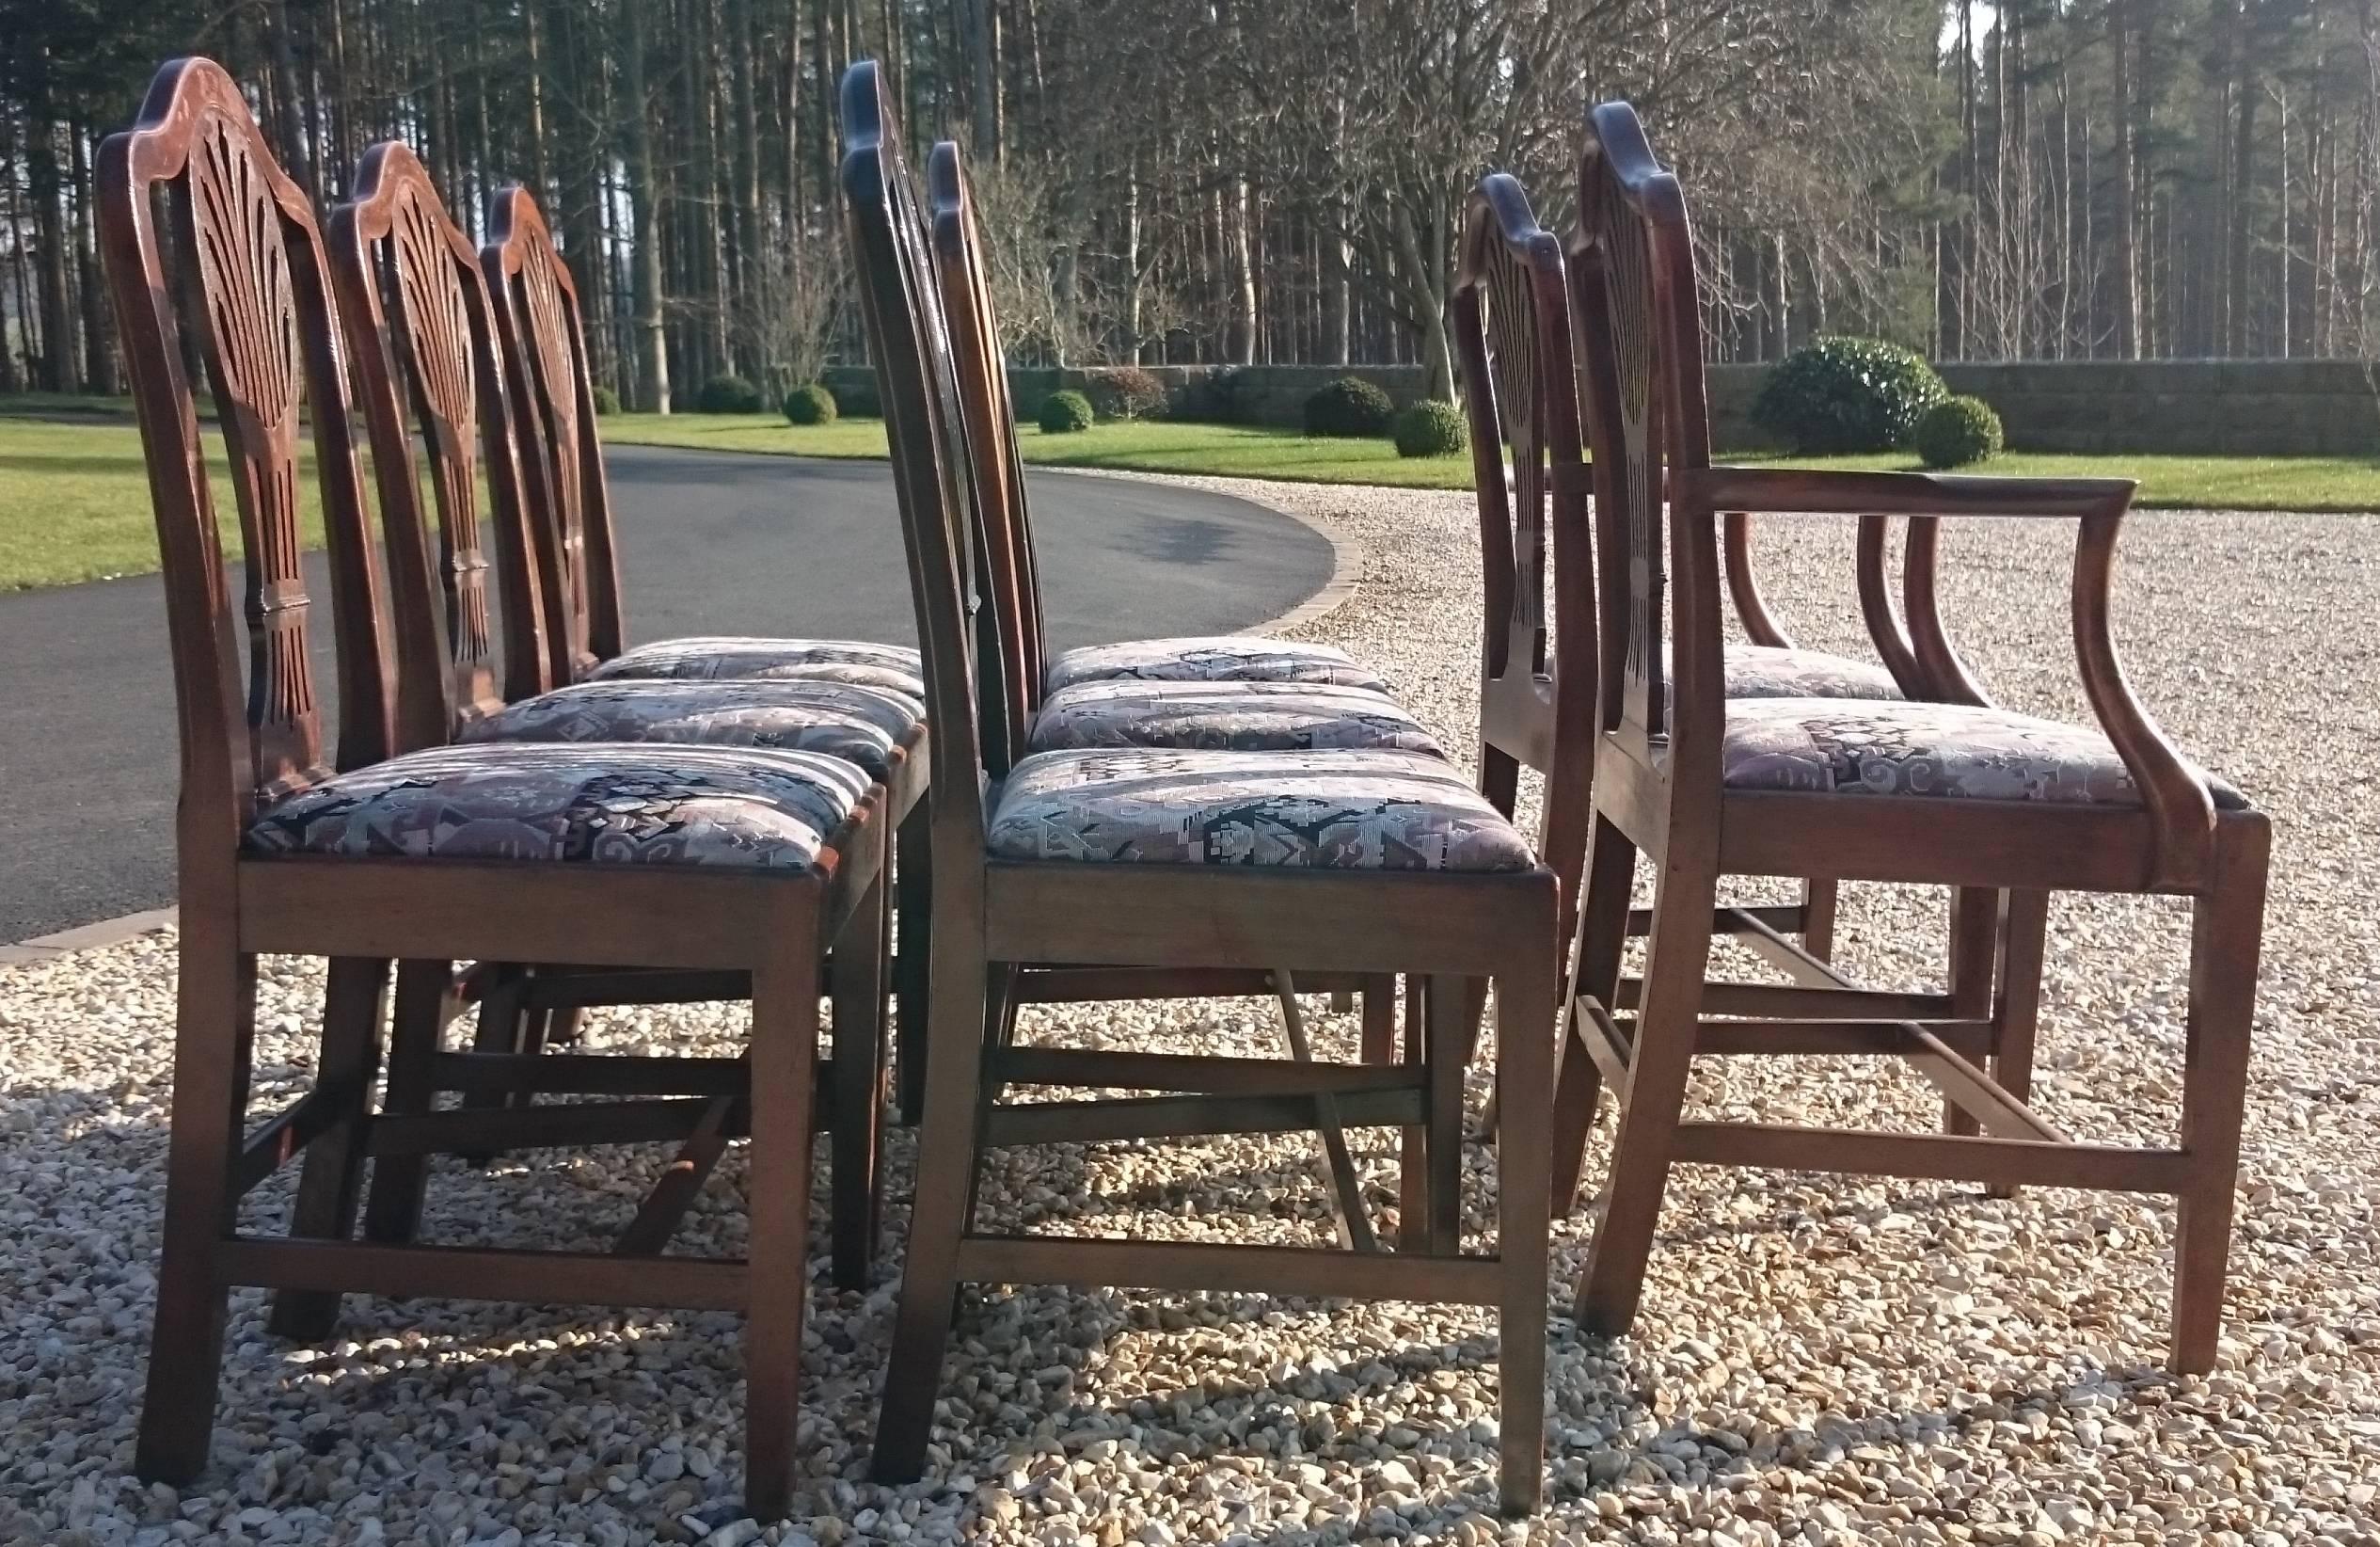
<point>74,497</point>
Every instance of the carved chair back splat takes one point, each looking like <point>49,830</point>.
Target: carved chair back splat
<point>1673,782</point>
<point>422,334</point>
<point>552,393</point>
<point>993,914</point>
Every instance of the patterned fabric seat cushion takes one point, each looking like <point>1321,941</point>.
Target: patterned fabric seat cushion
<point>1332,810</point>
<point>1766,671</point>
<point>718,657</point>
<point>599,804</point>
<point>1836,747</point>
<point>1226,717</point>
<point>1220,657</point>
<point>860,724</point>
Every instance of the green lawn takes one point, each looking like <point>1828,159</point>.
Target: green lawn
<point>74,500</point>
<point>75,503</point>
<point>2186,483</point>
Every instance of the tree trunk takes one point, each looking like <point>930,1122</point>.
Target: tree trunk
<point>2126,258</point>
<point>57,373</point>
<point>652,352</point>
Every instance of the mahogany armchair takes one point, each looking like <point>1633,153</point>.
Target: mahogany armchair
<point>1526,372</point>
<point>1955,794</point>
<point>684,859</point>
<point>1367,861</point>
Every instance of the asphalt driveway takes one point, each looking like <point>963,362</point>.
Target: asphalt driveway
<point>711,543</point>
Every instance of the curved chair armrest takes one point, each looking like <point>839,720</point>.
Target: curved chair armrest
<point>1822,491</point>
<point>2181,808</point>
<point>1885,629</point>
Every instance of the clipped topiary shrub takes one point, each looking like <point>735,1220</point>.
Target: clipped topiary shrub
<point>606,400</point>
<point>1430,428</point>
<point>1846,394</point>
<point>1957,431</point>
<point>1125,391</point>
<point>1066,413</point>
<point>809,404</point>
<point>727,396</point>
<point>1348,406</point>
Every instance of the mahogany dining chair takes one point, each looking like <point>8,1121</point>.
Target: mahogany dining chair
<point>421,336</point>
<point>704,858</point>
<point>1351,861</point>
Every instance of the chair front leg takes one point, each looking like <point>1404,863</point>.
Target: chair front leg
<point>940,1213</point>
<point>214,1026</point>
<point>332,1180</point>
<point>1659,1061</point>
<point>2016,1007</point>
<point>2225,939</point>
<point>784,1059</point>
<point>392,1212</point>
<point>1525,1007</point>
<point>1821,901</point>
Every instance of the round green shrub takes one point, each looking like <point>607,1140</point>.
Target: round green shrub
<point>809,404</point>
<point>1066,413</point>
<point>1845,395</point>
<point>1348,406</point>
<point>1125,391</point>
<point>605,400</point>
<point>1430,428</point>
<point>729,394</point>
<point>1955,432</point>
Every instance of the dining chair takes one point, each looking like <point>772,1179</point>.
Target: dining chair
<point>1244,693</point>
<point>702,858</point>
<point>1935,793</point>
<point>1350,861</point>
<point>1522,370</point>
<point>421,336</point>
<point>541,333</point>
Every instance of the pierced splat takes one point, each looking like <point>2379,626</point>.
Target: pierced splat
<point>417,309</point>
<point>232,226</point>
<point>545,361</point>
<point>1612,296</point>
<point>205,239</point>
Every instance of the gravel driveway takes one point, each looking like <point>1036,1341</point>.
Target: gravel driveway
<point>1820,1359</point>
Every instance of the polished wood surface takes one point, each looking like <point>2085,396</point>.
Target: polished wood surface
<point>212,252</point>
<point>991,916</point>
<point>1659,792</point>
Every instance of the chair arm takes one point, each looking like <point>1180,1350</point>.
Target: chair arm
<point>1825,491</point>
<point>2179,805</point>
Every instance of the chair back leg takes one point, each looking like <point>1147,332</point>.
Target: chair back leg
<point>353,1001</point>
<point>1525,1008</point>
<point>944,1189</point>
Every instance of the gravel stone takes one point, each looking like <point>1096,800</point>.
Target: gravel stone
<point>1820,1360</point>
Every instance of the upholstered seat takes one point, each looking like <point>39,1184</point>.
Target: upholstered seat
<point>604,804</point>
<point>1338,810</point>
<point>726,656</point>
<point>1220,657</point>
<point>1766,671</point>
<point>1226,717</point>
<point>1827,745</point>
<point>858,723</point>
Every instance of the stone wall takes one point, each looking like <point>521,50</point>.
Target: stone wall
<point>2185,407</point>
